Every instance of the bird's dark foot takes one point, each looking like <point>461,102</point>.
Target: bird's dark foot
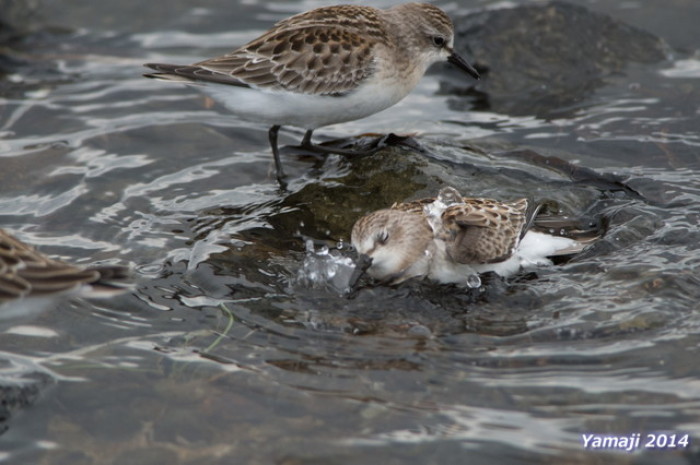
<point>282,182</point>
<point>329,149</point>
<point>360,146</point>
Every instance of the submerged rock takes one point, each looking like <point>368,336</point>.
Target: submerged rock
<point>538,58</point>
<point>22,32</point>
<point>17,18</point>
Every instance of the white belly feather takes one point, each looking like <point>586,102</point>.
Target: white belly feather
<point>304,110</point>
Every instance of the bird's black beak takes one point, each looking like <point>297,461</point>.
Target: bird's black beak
<point>462,64</point>
<point>361,266</point>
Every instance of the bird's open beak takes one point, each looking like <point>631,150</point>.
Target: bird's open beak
<point>462,64</point>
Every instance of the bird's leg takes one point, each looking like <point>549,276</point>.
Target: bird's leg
<point>276,154</point>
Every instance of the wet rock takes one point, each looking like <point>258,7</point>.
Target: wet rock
<point>539,58</point>
<point>22,30</point>
<point>19,394</point>
<point>333,205</point>
<point>17,18</point>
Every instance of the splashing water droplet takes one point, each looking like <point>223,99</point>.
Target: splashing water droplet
<point>433,211</point>
<point>325,268</point>
<point>449,196</point>
<point>340,245</point>
<point>473,281</point>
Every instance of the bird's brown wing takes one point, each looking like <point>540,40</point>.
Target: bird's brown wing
<point>24,271</point>
<point>302,57</point>
<point>483,230</point>
<point>314,59</point>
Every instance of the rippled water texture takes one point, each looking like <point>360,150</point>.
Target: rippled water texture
<point>223,355</point>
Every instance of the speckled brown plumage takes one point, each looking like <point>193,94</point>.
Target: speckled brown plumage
<point>326,66</point>
<point>25,272</point>
<point>450,237</point>
<point>326,51</point>
<point>311,57</point>
<point>483,230</point>
<point>478,230</point>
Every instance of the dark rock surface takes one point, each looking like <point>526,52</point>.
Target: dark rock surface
<point>17,18</point>
<point>539,58</point>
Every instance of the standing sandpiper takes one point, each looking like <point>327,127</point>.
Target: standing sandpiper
<point>326,66</point>
<point>450,238</point>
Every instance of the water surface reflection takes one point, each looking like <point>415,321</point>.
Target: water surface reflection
<point>221,355</point>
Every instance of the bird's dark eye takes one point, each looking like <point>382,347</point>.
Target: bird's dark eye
<point>382,237</point>
<point>439,41</point>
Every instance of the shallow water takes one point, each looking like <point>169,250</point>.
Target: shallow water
<point>222,355</point>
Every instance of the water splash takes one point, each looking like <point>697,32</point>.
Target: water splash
<point>326,268</point>
<point>447,197</point>
<point>474,281</point>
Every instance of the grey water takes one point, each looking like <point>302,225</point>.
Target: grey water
<point>222,354</point>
